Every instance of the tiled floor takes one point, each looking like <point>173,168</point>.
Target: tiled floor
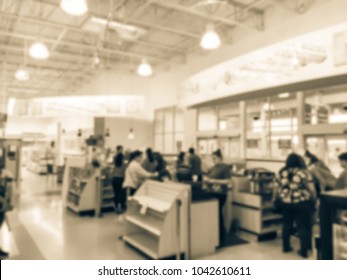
<point>40,228</point>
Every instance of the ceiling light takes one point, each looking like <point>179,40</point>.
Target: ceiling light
<point>39,50</point>
<point>284,95</point>
<point>74,7</point>
<point>145,69</point>
<point>96,59</point>
<point>22,74</point>
<point>210,40</point>
<point>131,135</point>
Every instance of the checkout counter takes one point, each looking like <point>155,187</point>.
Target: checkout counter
<point>253,204</point>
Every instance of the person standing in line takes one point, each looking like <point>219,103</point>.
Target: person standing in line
<point>297,197</point>
<point>117,182</point>
<point>320,171</point>
<point>119,150</point>
<point>135,174</point>
<point>194,163</point>
<point>50,158</point>
<point>149,163</point>
<point>217,181</point>
<point>182,169</point>
<point>341,182</point>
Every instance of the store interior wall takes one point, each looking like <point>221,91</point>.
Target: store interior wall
<point>119,130</point>
<point>17,126</point>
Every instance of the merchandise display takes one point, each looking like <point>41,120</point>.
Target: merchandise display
<point>156,222</point>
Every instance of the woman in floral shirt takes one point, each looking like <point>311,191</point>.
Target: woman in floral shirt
<point>297,196</point>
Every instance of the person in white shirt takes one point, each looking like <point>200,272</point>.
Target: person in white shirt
<point>135,174</point>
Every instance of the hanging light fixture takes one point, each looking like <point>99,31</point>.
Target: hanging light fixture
<point>22,74</point>
<point>145,69</point>
<point>107,134</point>
<point>74,7</point>
<point>39,50</point>
<point>131,135</point>
<point>210,40</point>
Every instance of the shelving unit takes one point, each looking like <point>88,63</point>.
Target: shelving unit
<point>81,189</point>
<point>107,193</point>
<point>151,222</point>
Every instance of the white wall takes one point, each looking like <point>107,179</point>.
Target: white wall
<point>16,126</point>
<point>119,130</point>
<point>114,83</point>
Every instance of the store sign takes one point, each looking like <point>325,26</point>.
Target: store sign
<point>284,144</point>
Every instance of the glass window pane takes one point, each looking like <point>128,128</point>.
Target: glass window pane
<point>179,141</point>
<point>159,142</point>
<point>207,119</point>
<point>159,122</point>
<point>169,143</point>
<point>169,120</point>
<point>326,106</point>
<point>179,120</point>
<point>229,117</point>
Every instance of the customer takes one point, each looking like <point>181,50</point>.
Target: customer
<point>117,182</point>
<point>50,158</point>
<point>149,164</point>
<point>119,149</point>
<point>217,181</point>
<point>194,163</point>
<point>297,197</point>
<point>135,174</point>
<point>341,182</point>
<point>320,171</point>
<point>161,168</point>
<point>183,173</point>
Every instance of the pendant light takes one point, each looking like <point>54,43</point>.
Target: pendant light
<point>144,69</point>
<point>74,7</point>
<point>210,40</point>
<point>131,135</point>
<point>22,74</point>
<point>39,50</point>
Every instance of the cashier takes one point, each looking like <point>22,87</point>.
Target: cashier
<point>216,182</point>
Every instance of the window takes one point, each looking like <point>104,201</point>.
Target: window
<point>272,126</point>
<point>207,119</point>
<point>328,106</point>
<point>229,117</point>
<point>168,130</point>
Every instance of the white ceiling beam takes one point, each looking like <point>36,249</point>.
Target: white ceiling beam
<point>79,46</point>
<point>131,21</point>
<point>200,14</point>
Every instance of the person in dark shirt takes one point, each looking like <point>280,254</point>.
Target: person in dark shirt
<point>117,182</point>
<point>217,181</point>
<point>341,182</point>
<point>183,173</point>
<point>149,163</point>
<point>194,164</point>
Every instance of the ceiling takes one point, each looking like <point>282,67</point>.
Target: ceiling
<point>119,32</point>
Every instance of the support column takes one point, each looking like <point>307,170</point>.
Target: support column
<point>301,120</point>
<point>243,129</point>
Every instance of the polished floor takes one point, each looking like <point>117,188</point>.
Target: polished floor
<point>40,228</point>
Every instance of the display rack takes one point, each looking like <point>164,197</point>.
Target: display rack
<point>81,189</point>
<point>156,222</point>
<point>107,193</point>
<point>254,211</point>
